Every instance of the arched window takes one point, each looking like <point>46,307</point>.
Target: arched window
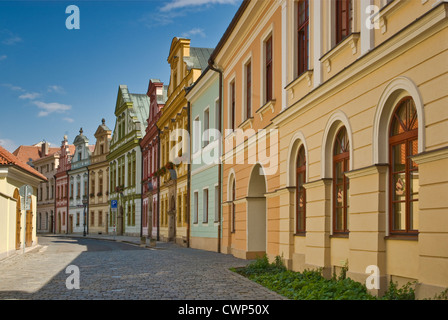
<point>404,179</point>
<point>300,191</point>
<point>341,158</point>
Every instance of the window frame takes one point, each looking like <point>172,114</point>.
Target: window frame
<point>303,50</point>
<point>406,138</point>
<point>300,190</point>
<point>344,158</point>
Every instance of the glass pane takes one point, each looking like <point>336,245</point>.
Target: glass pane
<point>399,157</point>
<point>414,215</point>
<point>339,196</point>
<point>338,173</point>
<point>339,219</point>
<point>399,216</point>
<point>413,148</point>
<point>300,226</point>
<point>399,122</point>
<point>399,187</point>
<point>414,184</point>
<point>300,180</point>
<point>301,12</point>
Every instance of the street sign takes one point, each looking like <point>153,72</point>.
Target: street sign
<point>25,192</point>
<point>113,204</point>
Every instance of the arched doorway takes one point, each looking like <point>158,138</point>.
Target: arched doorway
<point>256,212</point>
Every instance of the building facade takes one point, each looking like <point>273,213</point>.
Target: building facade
<point>186,65</point>
<point>125,162</point>
<point>62,187</point>
<point>205,157</point>
<point>78,179</point>
<point>249,57</point>
<point>47,165</point>
<point>17,226</point>
<point>99,182</point>
<point>157,94</point>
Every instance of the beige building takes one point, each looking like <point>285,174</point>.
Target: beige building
<point>99,182</point>
<point>47,165</point>
<point>364,140</point>
<point>17,227</point>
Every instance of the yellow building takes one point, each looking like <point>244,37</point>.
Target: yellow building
<point>99,182</point>
<point>17,227</point>
<point>362,131</point>
<point>363,140</point>
<point>187,64</point>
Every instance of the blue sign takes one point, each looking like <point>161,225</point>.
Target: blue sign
<point>113,204</point>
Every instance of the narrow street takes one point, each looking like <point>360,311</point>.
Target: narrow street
<point>117,270</point>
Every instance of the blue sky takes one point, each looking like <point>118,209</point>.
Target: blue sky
<point>54,80</point>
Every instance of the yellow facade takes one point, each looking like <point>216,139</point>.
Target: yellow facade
<point>174,143</point>
<point>351,86</point>
<point>359,84</point>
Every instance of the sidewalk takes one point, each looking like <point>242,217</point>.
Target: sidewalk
<point>108,237</point>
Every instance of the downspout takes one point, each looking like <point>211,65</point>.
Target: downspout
<point>212,67</point>
<point>88,200</point>
<point>158,182</point>
<point>189,178</point>
<point>141,188</point>
<point>54,211</point>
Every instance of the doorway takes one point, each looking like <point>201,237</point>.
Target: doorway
<point>256,213</point>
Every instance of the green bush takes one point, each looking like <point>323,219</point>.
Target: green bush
<point>311,285</point>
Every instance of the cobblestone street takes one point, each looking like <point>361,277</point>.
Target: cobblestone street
<point>117,270</point>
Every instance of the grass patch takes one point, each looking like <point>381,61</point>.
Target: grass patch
<point>311,285</point>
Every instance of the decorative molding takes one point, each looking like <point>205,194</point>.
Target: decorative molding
<point>318,183</point>
<point>268,105</point>
<point>352,41</point>
<point>306,75</point>
<point>248,123</point>
<point>431,156</point>
<point>367,171</point>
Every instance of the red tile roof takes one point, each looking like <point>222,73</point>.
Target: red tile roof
<point>27,153</point>
<point>9,159</point>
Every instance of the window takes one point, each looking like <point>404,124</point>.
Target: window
<point>195,203</point>
<point>300,191</point>
<point>134,168</point>
<point>92,218</point>
<point>232,106</point>
<point>248,70</point>
<point>217,204</point>
<point>100,218</point>
<point>344,19</point>
<point>196,134</point>
<point>303,36</point>
<point>206,137</point>
<point>217,115</point>
<point>268,68</point>
<point>341,156</point>
<point>404,178</point>
<point>77,218</point>
<point>205,206</point>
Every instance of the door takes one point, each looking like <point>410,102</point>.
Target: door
<point>29,228</point>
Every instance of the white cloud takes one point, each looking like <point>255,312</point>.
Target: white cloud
<point>30,95</point>
<point>8,145</point>
<point>9,38</point>
<point>3,57</point>
<point>70,120</point>
<point>12,87</point>
<point>177,4</point>
<point>193,32</point>
<point>55,88</point>
<point>48,108</point>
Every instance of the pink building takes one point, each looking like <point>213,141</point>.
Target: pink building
<point>157,94</point>
<point>61,176</point>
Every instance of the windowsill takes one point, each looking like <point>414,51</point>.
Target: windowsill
<point>247,123</point>
<point>411,237</point>
<point>351,40</point>
<point>300,234</point>
<point>385,12</point>
<point>305,75</point>
<point>342,235</point>
<point>268,105</point>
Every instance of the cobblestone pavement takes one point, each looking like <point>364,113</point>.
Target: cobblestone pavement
<point>115,270</point>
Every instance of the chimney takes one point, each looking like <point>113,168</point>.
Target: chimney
<point>45,148</point>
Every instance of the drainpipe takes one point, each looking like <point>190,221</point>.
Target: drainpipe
<point>158,182</point>
<point>212,67</point>
<point>189,178</point>
<point>141,188</point>
<point>54,211</point>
